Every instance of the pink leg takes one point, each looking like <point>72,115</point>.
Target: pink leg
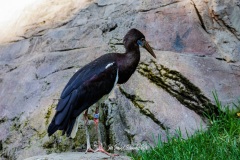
<point>89,149</point>
<point>100,147</point>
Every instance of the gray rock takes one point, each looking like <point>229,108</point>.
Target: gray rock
<point>197,48</point>
<point>221,20</point>
<point>77,156</point>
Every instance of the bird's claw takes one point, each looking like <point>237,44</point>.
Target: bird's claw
<point>100,149</point>
<point>89,150</point>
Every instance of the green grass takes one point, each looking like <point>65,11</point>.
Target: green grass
<point>220,142</point>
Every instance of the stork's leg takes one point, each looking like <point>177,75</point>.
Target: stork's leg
<point>100,147</point>
<point>89,149</point>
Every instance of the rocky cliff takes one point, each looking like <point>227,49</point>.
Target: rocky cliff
<point>197,44</point>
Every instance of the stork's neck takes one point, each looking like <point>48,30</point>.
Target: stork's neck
<point>127,63</point>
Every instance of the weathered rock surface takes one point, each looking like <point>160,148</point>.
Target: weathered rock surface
<point>77,156</point>
<point>197,48</point>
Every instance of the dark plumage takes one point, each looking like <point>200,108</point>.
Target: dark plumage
<point>95,80</point>
<point>86,87</point>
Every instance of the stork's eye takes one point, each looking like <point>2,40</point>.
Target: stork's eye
<point>140,41</point>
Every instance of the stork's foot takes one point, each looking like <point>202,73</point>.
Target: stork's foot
<point>89,150</point>
<point>100,149</point>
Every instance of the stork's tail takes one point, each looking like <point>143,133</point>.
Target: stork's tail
<point>69,128</point>
<point>52,128</point>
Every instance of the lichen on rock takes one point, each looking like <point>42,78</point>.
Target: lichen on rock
<point>179,87</point>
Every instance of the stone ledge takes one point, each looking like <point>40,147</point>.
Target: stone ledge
<point>76,156</point>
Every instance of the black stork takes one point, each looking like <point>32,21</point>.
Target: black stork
<point>92,84</point>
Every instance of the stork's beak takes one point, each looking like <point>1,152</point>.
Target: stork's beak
<point>148,48</point>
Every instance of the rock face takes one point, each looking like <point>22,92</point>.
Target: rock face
<point>198,51</point>
<point>76,156</point>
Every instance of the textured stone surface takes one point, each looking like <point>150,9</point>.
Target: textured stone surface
<point>76,156</point>
<point>221,20</point>
<point>197,48</point>
<point>37,17</point>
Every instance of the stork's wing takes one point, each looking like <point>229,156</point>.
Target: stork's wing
<point>85,88</point>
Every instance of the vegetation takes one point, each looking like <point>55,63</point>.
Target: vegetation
<point>220,141</point>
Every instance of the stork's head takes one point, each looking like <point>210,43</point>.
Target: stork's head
<point>135,37</point>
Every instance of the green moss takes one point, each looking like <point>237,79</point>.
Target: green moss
<point>179,87</point>
<point>16,123</point>
<point>2,120</point>
<point>8,140</point>
<point>90,117</point>
<point>25,123</point>
<point>15,127</point>
<point>112,44</point>
<point>136,101</point>
<point>48,114</point>
<point>48,145</point>
<point>41,135</point>
<point>58,143</point>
